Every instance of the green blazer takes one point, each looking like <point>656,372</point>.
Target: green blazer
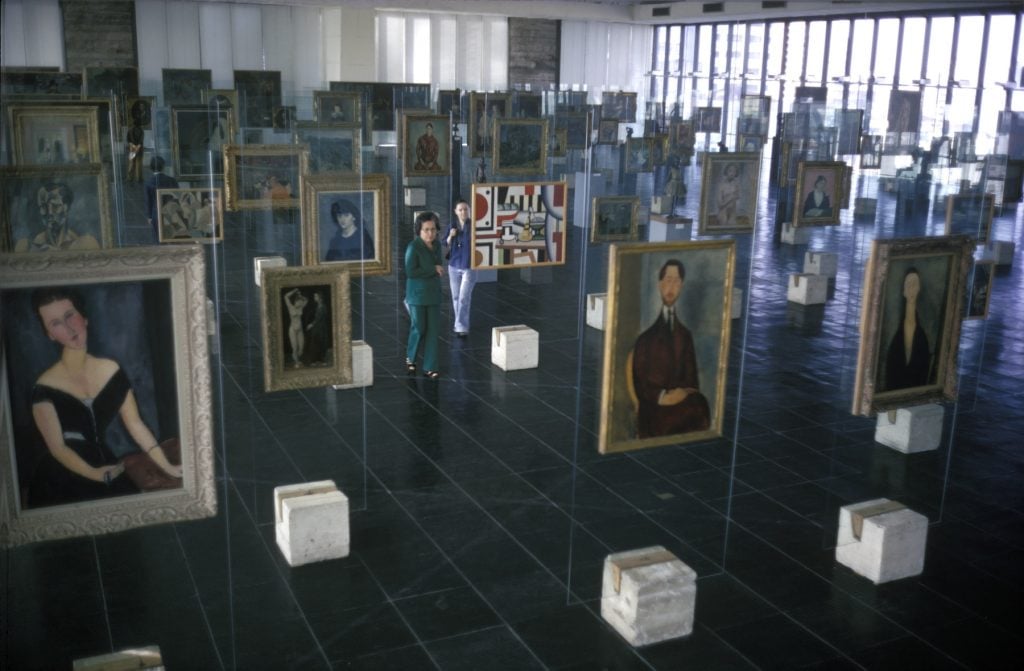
<point>422,285</point>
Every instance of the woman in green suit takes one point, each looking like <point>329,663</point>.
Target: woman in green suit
<point>423,270</point>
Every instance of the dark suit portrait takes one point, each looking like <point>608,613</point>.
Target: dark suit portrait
<point>664,368</point>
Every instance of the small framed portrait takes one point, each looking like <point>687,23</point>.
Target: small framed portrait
<point>709,119</point>
<point>139,112</point>
<point>307,327</point>
<point>426,145</point>
<point>484,109</point>
<point>284,118</point>
<point>258,176</point>
<point>331,148</point>
<point>748,143</point>
<point>185,86</point>
<point>639,155</point>
<point>449,101</point>
<point>102,81</point>
<point>912,306</point>
<point>260,91</point>
<point>520,146</point>
<point>519,224</point>
<point>223,99</point>
<point>614,218</point>
<point>337,107</point>
<point>659,149</point>
<point>849,124</point>
<point>577,129</point>
<point>819,189</point>
<point>528,105</point>
<point>55,208</point>
<point>619,105</point>
<point>133,321</point>
<point>608,131</point>
<point>666,343</point>
<point>346,222</point>
<point>754,115</point>
<point>871,152</point>
<point>728,198</point>
<point>54,135</point>
<point>904,120</point>
<point>980,289</point>
<point>559,143</point>
<point>200,135</point>
<point>681,135</point>
<point>970,214</point>
<point>190,215</point>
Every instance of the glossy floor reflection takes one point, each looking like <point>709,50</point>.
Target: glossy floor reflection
<point>481,511</point>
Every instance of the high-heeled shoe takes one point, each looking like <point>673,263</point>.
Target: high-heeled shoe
<point>432,374</point>
<point>410,367</point>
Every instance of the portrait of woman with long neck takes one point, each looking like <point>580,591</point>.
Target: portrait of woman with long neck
<point>908,360</point>
<point>74,402</point>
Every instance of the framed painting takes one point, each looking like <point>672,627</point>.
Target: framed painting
<point>412,97</point>
<point>139,111</point>
<point>980,289</point>
<point>819,191</point>
<point>911,310</point>
<point>728,197</point>
<point>970,214</point>
<point>666,346</point>
<point>38,83</point>
<point>258,176</point>
<point>484,108</point>
<point>659,148</point>
<point>143,311</point>
<point>449,101</point>
<point>709,119</point>
<point>528,105</point>
<point>749,143</point>
<point>681,135</point>
<point>337,107</point>
<point>871,152</point>
<point>904,120</point>
<point>307,327</point>
<point>284,118</point>
<point>848,123</point>
<point>55,208</point>
<point>199,136</point>
<point>103,81</point>
<point>331,148</point>
<point>559,141</point>
<point>259,92</point>
<point>186,86</point>
<point>577,129</point>
<point>426,145</point>
<point>223,99</point>
<point>614,218</point>
<point>963,147</point>
<point>520,146</point>
<point>639,156</point>
<point>346,222</point>
<point>54,135</point>
<point>366,93</point>
<point>619,105</point>
<point>519,224</point>
<point>190,215</point>
<point>608,131</point>
<point>754,115</point>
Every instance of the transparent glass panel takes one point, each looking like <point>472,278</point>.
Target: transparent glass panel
<point>815,50</point>
<point>887,45</point>
<point>997,61</point>
<point>940,50</point>
<point>968,50</point>
<point>837,47</point>
<point>912,50</point>
<point>863,39</point>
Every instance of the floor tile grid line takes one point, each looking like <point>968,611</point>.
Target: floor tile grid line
<point>103,593</point>
<point>195,595</point>
<point>714,633</point>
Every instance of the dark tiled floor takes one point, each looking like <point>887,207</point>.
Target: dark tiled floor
<point>481,511</point>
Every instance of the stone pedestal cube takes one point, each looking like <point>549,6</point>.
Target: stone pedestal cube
<point>514,347</point>
<point>736,309</point>
<point>795,235</point>
<point>881,540</point>
<point>261,263</point>
<point>661,205</point>
<point>140,658</point>
<point>865,207</point>
<point>311,522</point>
<point>595,310</point>
<point>915,429</point>
<point>663,228</point>
<point>362,366</point>
<point>807,289</point>
<point>648,595</point>
<point>821,263</point>
<point>415,196</point>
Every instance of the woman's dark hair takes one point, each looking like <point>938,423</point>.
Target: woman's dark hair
<point>46,295</point>
<point>343,206</point>
<point>424,217</point>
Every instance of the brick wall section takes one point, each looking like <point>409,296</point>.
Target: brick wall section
<point>100,32</point>
<point>533,53</point>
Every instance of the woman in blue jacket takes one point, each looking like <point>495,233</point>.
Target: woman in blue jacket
<point>423,271</point>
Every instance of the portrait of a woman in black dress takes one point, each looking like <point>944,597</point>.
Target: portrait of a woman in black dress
<point>908,358</point>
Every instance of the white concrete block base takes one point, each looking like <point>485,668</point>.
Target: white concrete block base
<point>1000,251</point>
<point>514,347</point>
<point>908,430</point>
<point>261,263</point>
<point>795,235</point>
<point>595,310</point>
<point>415,196</point>
<point>648,595</point>
<point>362,366</point>
<point>736,309</point>
<point>311,522</point>
<point>661,205</point>
<point>663,228</point>
<point>807,289</point>
<point>881,540</point>
<point>141,658</point>
<point>821,263</point>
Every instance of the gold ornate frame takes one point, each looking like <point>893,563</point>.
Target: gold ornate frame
<point>267,158</point>
<point>314,187</point>
<point>69,118</point>
<point>712,178</point>
<point>595,218</point>
<point>196,195</point>
<point>537,164</point>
